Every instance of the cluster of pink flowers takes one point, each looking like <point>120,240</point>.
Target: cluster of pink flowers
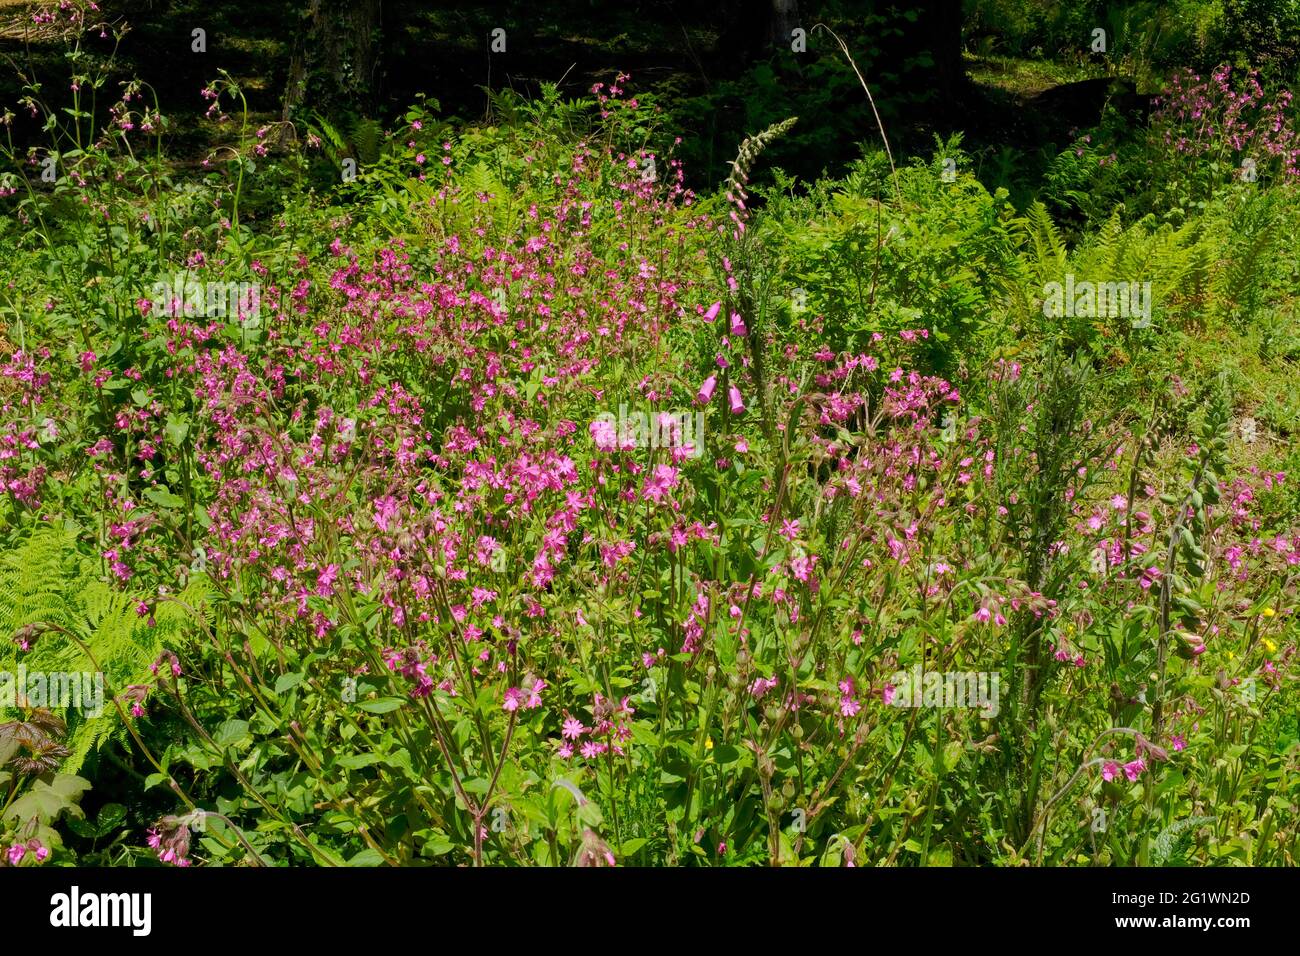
<point>1201,115</point>
<point>32,848</point>
<point>610,729</point>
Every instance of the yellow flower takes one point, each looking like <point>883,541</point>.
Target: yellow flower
<point>708,743</point>
<point>1272,648</point>
<point>1268,612</point>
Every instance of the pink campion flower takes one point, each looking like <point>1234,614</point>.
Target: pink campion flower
<point>983,615</point>
<point>802,568</point>
<point>742,446</point>
<point>705,394</point>
<point>790,529</point>
<point>572,729</point>
<point>603,434</point>
<point>1134,768</point>
<point>849,705</point>
<point>535,695</point>
<point>663,480</point>
<point>325,582</point>
<point>385,512</point>
<point>736,401</point>
<point>1176,742</point>
<point>1109,770</point>
<point>512,699</point>
<point>16,853</point>
<point>171,841</point>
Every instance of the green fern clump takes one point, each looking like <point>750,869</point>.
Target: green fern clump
<point>77,623</point>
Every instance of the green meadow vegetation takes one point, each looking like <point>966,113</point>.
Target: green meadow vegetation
<point>791,469</point>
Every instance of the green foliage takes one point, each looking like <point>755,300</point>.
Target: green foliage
<point>367,586</point>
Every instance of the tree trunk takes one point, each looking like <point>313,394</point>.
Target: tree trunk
<point>784,17</point>
<point>335,61</point>
<point>946,19</point>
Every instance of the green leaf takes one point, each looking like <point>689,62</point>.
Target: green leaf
<point>383,705</point>
<point>163,498</point>
<point>111,816</point>
<point>177,429</point>
<point>230,733</point>
<point>357,761</point>
<point>630,847</point>
<point>287,682</point>
<point>49,798</point>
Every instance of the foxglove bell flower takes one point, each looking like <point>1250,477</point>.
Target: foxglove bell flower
<point>737,402</point>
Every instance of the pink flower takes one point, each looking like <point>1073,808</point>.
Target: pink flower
<point>737,402</point>
<point>660,482</point>
<point>603,434</point>
<point>572,728</point>
<point>1133,768</point>
<point>385,512</point>
<point>535,695</point>
<point>712,312</point>
<point>512,699</point>
<point>706,390</point>
<point>738,325</point>
<point>1109,771</point>
<point>16,853</point>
